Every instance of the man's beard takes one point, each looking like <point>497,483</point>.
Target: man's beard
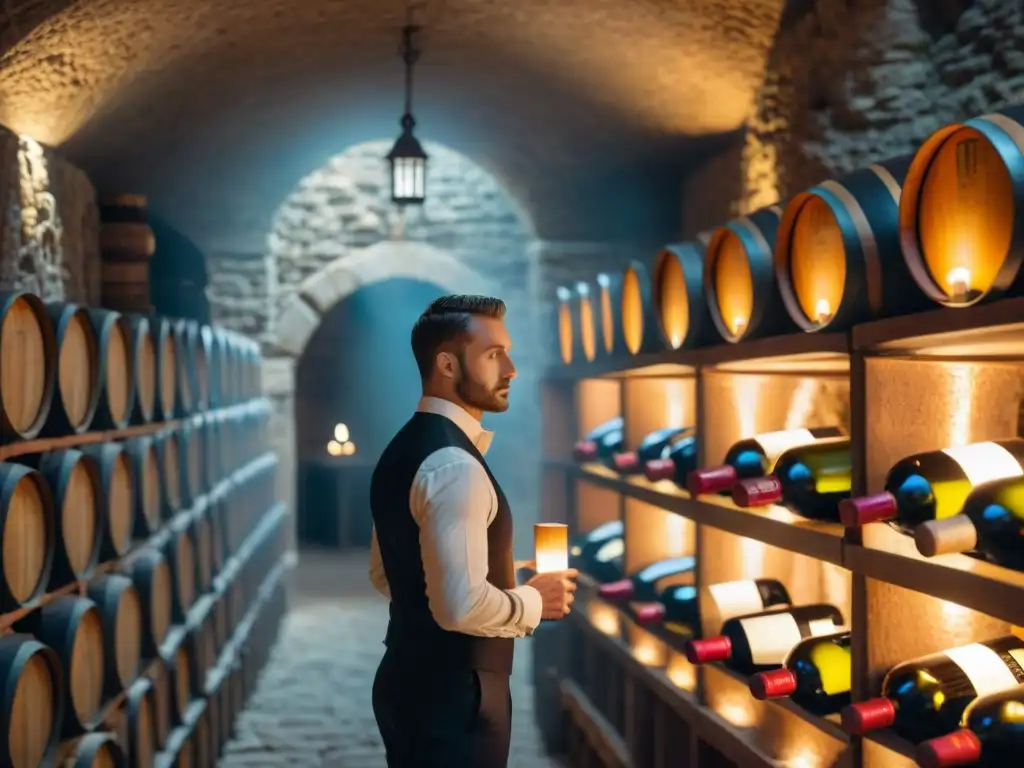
<point>477,395</point>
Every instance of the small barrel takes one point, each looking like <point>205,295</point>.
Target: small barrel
<point>184,341</point>
<point>837,253</point>
<point>190,443</point>
<point>72,627</point>
<point>74,480</point>
<point>182,678</point>
<point>33,700</point>
<point>169,452</point>
<point>181,555</point>
<point>584,301</point>
<point>28,366</point>
<point>148,501</point>
<point>568,336</point>
<point>120,611</point>
<point>127,243</point>
<point>678,294</point>
<point>162,704</point>
<point>144,355</point>
<point>117,485</point>
<point>202,538</point>
<point>609,305</point>
<point>202,738</point>
<point>98,750</point>
<point>28,534</point>
<point>227,715</point>
<point>154,583</point>
<point>164,341</point>
<point>117,379</point>
<point>961,208</point>
<point>141,712</point>
<point>636,311</point>
<point>208,343</point>
<point>76,394</point>
<point>743,297</point>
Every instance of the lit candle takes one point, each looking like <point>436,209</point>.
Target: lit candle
<point>823,311</point>
<point>551,546</point>
<point>739,325</point>
<point>959,280</point>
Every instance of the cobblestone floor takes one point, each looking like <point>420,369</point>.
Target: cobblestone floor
<point>311,708</point>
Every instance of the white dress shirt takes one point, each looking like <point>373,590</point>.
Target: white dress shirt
<point>453,502</point>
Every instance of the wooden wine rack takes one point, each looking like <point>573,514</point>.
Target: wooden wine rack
<point>900,386</point>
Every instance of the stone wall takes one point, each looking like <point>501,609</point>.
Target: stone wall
<point>49,224</point>
<point>851,83</point>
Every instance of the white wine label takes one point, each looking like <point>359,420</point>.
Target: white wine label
<point>774,444</point>
<point>983,462</point>
<point>736,598</point>
<point>771,637</point>
<point>819,627</point>
<point>982,666</point>
<point>610,550</point>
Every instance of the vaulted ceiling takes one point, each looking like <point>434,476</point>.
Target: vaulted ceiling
<point>216,108</point>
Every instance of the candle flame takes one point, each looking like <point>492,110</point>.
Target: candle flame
<point>823,311</point>
<point>739,325</point>
<point>959,281</point>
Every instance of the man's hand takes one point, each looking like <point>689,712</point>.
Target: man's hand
<point>530,565</point>
<point>556,590</point>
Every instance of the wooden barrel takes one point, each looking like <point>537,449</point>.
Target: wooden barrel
<point>28,535</point>
<point>144,373</point>
<point>255,370</point>
<point>164,341</point>
<point>120,611</point>
<point>208,343</point>
<point>584,307</point>
<point>72,627</point>
<point>154,584</point>
<point>182,678</point>
<point>73,479</point>
<point>837,253</point>
<point>77,391</point>
<point>190,444</point>
<point>568,336</point>
<point>186,756</point>
<point>141,711</point>
<point>28,373</point>
<point>98,750</point>
<point>181,555</point>
<point>117,484</point>
<point>126,244</point>
<point>743,297</point>
<point>162,704</point>
<point>215,509</point>
<point>202,739</point>
<point>169,452</point>
<point>227,714</point>
<point>961,208</point>
<point>148,501</point>
<point>636,311</point>
<point>117,380</point>
<point>33,700</point>
<point>213,464</point>
<point>193,376</point>
<point>682,313</point>
<point>202,539</point>
<point>213,716</point>
<point>609,306</point>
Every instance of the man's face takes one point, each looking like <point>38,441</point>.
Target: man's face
<point>486,369</point>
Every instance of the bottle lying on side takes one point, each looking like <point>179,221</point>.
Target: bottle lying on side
<point>753,457</point>
<point>607,436</point>
<point>646,584</point>
<point>934,485</point>
<point>990,526</point>
<point>759,643</point>
<point>816,675</point>
<point>926,698</point>
<point>993,736</point>
<point>599,553</point>
<point>811,480</point>
<point>653,446</point>
<point>674,464</point>
<point>724,601</point>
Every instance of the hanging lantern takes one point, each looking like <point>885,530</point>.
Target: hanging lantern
<point>407,158</point>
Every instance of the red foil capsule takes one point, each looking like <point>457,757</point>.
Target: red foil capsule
<point>711,480</point>
<point>776,684</point>
<point>648,613</point>
<point>853,513</point>
<point>585,450</point>
<point>958,748</point>
<point>659,469</point>
<point>866,716</point>
<point>708,650</point>
<point>616,590</point>
<point>757,491</point>
<point>626,462</point>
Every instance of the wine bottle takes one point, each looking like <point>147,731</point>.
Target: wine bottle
<point>587,448</point>
<point>599,553</point>
<point>926,697</point>
<point>758,643</point>
<point>753,457</point>
<point>724,601</point>
<point>990,526</point>
<point>675,464</point>
<point>653,446</point>
<point>811,480</point>
<point>934,485</point>
<point>816,675</point>
<point>648,582</point>
<point>993,736</point>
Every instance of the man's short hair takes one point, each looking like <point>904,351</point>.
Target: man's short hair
<point>446,320</point>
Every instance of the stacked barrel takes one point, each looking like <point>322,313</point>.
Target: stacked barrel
<point>140,582</point>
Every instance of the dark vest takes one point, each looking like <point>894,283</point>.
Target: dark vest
<point>412,632</point>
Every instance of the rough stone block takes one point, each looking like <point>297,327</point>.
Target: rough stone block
<point>279,376</point>
<point>331,285</point>
<point>296,324</point>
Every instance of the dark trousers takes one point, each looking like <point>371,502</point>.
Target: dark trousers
<point>432,717</point>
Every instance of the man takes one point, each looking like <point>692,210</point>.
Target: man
<point>442,553</point>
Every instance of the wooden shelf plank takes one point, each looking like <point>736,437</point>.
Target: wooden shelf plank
<point>600,733</point>
<point>774,525</point>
